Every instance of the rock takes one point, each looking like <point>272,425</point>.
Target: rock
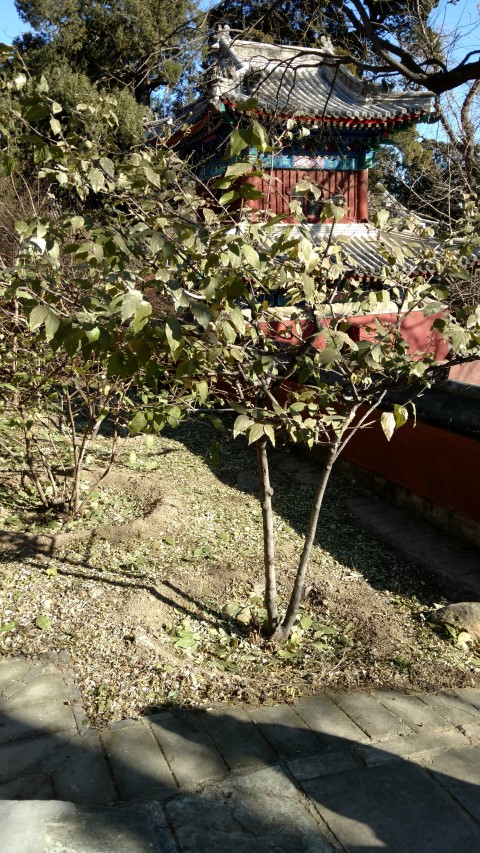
<point>463,616</point>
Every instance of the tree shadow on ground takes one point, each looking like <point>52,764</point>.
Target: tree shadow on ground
<point>338,533</point>
<point>196,781</point>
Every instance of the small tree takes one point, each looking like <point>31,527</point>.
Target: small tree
<point>216,343</point>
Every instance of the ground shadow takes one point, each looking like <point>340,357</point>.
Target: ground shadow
<point>338,532</point>
<point>219,778</point>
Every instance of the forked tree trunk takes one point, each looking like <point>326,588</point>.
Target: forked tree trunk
<point>266,493</point>
<point>283,630</point>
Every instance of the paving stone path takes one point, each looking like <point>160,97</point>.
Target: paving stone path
<point>333,772</point>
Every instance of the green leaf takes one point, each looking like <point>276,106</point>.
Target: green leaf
<point>380,218</point>
<point>55,126</point>
<point>223,536</point>
<point>388,424</point>
<point>239,140</point>
<point>400,414</point>
<point>251,256</point>
<point>7,626</point>
<point>255,432</point>
<point>202,390</point>
<point>138,423</point>
<point>130,303</point>
<point>241,424</point>
<point>260,137</point>
<point>173,332</point>
<point>237,319</point>
<point>168,540</point>
<point>38,316</point>
<point>187,641</point>
<point>237,169</point>
<point>107,166</point>
<point>51,572</point>
<point>52,322</point>
<point>228,197</point>
<point>269,430</point>
<point>201,313</point>
<point>97,179</point>
<point>43,622</point>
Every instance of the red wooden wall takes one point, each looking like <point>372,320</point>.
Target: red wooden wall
<point>277,190</point>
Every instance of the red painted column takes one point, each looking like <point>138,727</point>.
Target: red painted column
<point>362,195</point>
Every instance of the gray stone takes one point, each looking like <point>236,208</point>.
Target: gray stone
<point>261,811</point>
<point>45,688</point>
<point>236,738</point>
<point>35,787</point>
<point>12,669</point>
<point>455,709</point>
<point>139,768</point>
<point>34,720</point>
<point>25,757</point>
<point>108,831</point>
<point>53,827</point>
<point>83,777</point>
<point>396,806</point>
<point>471,695</point>
<point>471,732</point>
<point>188,748</point>
<point>315,766</point>
<point>464,616</point>
<point>415,747</point>
<point>410,709</point>
<point>459,772</point>
<point>333,728</point>
<point>369,715</point>
<point>285,731</point>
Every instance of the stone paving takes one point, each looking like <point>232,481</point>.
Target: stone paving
<point>332,772</point>
<point>352,772</point>
<point>441,553</point>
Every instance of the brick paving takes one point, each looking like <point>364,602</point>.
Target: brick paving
<point>449,557</point>
<point>331,772</point>
<point>350,772</point>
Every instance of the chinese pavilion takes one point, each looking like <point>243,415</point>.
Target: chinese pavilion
<point>331,123</point>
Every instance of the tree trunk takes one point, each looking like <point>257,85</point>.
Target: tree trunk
<point>266,493</point>
<point>284,629</point>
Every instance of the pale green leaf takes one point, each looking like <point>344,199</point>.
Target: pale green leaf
<point>242,423</point>
<point>37,316</point>
<point>388,424</point>
<point>97,179</point>
<point>52,322</point>
<point>255,432</point>
<point>251,256</point>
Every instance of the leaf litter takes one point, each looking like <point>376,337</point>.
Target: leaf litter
<point>175,617</point>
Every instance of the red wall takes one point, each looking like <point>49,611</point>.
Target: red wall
<point>415,328</point>
<point>277,190</point>
<point>439,465</point>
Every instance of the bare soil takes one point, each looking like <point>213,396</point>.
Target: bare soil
<point>165,606</point>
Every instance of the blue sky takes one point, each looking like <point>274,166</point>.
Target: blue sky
<point>10,23</point>
<point>449,15</point>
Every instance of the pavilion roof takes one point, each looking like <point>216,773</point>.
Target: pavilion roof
<point>306,84</point>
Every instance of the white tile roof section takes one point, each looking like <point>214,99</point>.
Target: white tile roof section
<point>300,81</point>
<point>362,246</point>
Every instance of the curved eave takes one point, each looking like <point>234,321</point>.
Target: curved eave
<point>344,122</point>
